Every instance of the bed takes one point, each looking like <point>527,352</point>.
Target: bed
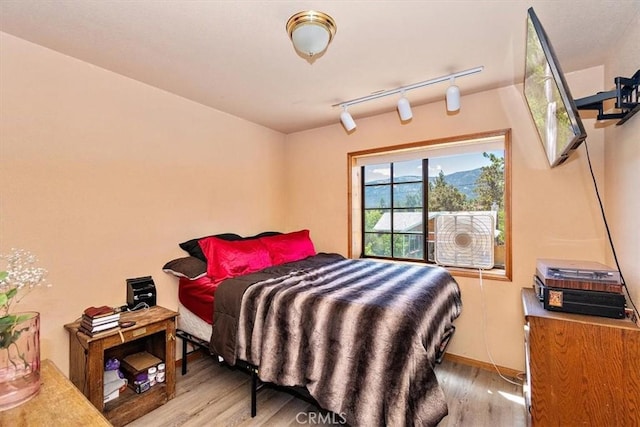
<point>360,337</point>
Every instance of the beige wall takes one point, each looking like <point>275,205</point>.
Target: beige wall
<point>554,214</point>
<point>101,176</point>
<point>622,166</point>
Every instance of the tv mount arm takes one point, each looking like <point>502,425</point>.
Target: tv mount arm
<point>626,94</point>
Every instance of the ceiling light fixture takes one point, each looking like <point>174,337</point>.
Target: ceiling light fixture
<point>311,32</point>
<point>347,121</point>
<point>404,108</point>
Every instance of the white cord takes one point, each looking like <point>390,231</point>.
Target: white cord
<point>484,333</point>
<point>139,306</point>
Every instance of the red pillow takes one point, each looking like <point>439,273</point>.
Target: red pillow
<point>289,247</point>
<point>234,258</point>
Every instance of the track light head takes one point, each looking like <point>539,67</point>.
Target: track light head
<point>453,97</point>
<point>404,109</point>
<point>347,121</point>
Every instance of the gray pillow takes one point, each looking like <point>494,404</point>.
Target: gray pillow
<point>190,267</point>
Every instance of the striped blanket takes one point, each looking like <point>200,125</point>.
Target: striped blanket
<point>360,336</point>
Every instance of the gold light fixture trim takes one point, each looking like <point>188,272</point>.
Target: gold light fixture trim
<point>302,28</point>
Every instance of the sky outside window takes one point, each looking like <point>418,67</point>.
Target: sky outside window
<point>447,164</point>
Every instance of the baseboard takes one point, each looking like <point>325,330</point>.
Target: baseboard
<point>507,372</point>
<point>194,355</point>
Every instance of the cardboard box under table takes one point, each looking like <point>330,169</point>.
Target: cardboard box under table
<point>136,364</point>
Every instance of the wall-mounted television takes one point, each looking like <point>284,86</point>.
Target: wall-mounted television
<point>548,96</point>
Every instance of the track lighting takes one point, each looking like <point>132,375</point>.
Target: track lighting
<point>404,108</point>
<point>347,121</point>
<point>453,96</point>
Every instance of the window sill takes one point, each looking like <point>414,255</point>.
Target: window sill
<point>491,274</point>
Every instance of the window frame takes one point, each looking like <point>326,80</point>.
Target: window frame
<point>393,209</point>
<point>356,204</point>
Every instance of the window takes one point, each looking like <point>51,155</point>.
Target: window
<point>397,194</point>
<point>393,210</point>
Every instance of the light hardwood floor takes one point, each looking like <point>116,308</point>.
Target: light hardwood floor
<point>214,395</point>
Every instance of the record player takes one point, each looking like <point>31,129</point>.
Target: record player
<point>582,287</point>
<point>587,275</point>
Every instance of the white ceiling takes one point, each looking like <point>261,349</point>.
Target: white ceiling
<point>235,56</point>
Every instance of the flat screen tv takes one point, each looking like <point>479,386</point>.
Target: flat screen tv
<point>552,107</point>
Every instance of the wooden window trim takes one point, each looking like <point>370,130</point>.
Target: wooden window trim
<point>502,275</point>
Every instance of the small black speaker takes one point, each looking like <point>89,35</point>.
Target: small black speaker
<point>140,291</point>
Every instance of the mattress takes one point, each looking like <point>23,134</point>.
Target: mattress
<point>192,324</point>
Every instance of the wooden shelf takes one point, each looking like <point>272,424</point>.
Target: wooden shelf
<point>153,332</point>
<point>130,402</point>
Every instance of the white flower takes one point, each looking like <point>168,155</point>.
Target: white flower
<point>19,277</point>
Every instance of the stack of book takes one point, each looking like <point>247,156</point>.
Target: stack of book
<point>98,319</point>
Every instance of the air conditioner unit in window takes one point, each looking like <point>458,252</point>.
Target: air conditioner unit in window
<point>465,240</point>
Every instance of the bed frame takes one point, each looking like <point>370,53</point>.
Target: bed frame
<point>256,384</point>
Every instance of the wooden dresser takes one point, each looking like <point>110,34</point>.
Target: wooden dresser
<point>581,370</point>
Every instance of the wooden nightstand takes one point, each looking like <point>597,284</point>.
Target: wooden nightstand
<point>154,332</point>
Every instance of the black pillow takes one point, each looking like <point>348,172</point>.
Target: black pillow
<point>193,248</point>
<point>263,234</point>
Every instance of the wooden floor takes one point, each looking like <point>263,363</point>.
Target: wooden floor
<point>214,395</point>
